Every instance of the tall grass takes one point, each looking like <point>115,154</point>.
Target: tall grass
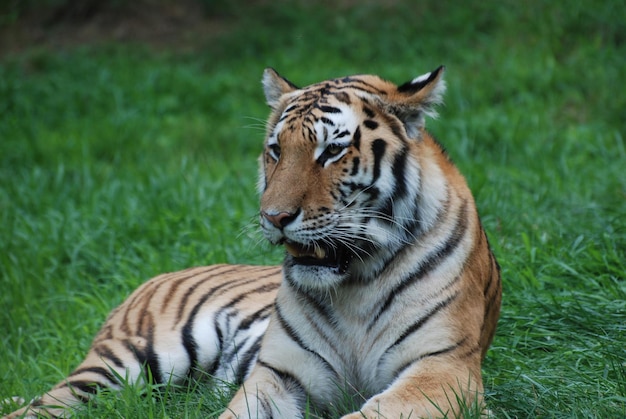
<point>119,162</point>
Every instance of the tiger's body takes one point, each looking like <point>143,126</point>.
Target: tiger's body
<point>388,290</point>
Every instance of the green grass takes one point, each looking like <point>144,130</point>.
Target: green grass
<point>119,162</point>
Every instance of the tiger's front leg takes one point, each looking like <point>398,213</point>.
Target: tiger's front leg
<point>286,377</point>
<point>268,393</point>
<point>429,389</point>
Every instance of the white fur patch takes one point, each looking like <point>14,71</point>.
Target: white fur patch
<point>421,78</point>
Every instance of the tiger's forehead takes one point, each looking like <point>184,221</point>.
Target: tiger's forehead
<point>329,111</point>
<point>320,117</point>
<point>330,101</point>
<point>344,90</point>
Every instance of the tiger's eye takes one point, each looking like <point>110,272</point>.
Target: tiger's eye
<point>274,151</point>
<point>334,149</point>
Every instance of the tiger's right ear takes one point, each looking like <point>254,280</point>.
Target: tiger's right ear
<point>274,86</point>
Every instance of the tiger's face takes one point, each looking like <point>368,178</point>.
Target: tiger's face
<point>340,177</point>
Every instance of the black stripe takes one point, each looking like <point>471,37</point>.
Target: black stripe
<point>443,351</point>
<point>266,408</point>
<point>368,111</point>
<point>387,210</point>
<point>290,108</point>
<point>328,109</point>
<point>371,124</point>
<point>148,360</point>
<point>346,189</point>
<point>323,158</point>
<point>296,338</point>
<point>102,372</point>
<point>330,343</point>
<point>147,292</point>
<point>245,360</point>
<point>473,351</point>
<point>103,351</point>
<point>395,125</point>
<point>493,277</point>
<point>172,292</point>
<point>292,385</point>
<point>415,86</point>
<point>399,173</point>
<point>260,314</point>
<point>489,299</point>
<point>147,357</point>
<point>372,191</point>
<point>327,121</point>
<point>107,330</point>
<point>489,276</point>
<point>152,359</point>
<point>260,289</point>
<point>412,226</point>
<point>356,139</point>
<point>355,166</point>
<point>491,305</point>
<point>355,83</point>
<point>38,403</point>
<point>218,314</point>
<point>192,289</point>
<point>421,321</point>
<point>313,302</point>
<point>88,387</point>
<point>81,398</point>
<point>263,313</point>
<point>397,129</point>
<point>429,263</point>
<point>378,149</point>
<point>343,97</point>
<point>191,346</point>
<point>310,133</point>
<point>228,355</point>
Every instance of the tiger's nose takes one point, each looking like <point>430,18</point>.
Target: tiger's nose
<point>280,219</point>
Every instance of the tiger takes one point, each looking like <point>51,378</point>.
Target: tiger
<point>388,291</point>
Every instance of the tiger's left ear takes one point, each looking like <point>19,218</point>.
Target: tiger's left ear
<point>274,86</point>
<point>416,99</point>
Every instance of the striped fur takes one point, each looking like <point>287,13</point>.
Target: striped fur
<point>210,317</point>
<point>389,292</point>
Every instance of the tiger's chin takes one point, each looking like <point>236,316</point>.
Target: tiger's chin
<point>317,267</point>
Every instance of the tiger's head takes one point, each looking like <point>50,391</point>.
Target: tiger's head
<point>340,176</point>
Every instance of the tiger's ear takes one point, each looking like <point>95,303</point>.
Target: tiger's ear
<point>274,86</point>
<point>416,99</point>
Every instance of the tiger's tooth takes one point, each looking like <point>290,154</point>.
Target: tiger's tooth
<point>320,253</point>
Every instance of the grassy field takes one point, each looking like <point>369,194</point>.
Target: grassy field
<point>122,161</point>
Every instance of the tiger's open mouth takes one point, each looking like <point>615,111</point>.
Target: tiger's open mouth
<point>336,257</point>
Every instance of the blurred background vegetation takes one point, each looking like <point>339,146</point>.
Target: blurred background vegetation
<point>128,140</point>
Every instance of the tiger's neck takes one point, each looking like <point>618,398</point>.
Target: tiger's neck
<point>428,199</point>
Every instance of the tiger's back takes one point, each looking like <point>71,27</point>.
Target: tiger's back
<point>168,326</point>
<point>388,291</point>
<point>199,321</point>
